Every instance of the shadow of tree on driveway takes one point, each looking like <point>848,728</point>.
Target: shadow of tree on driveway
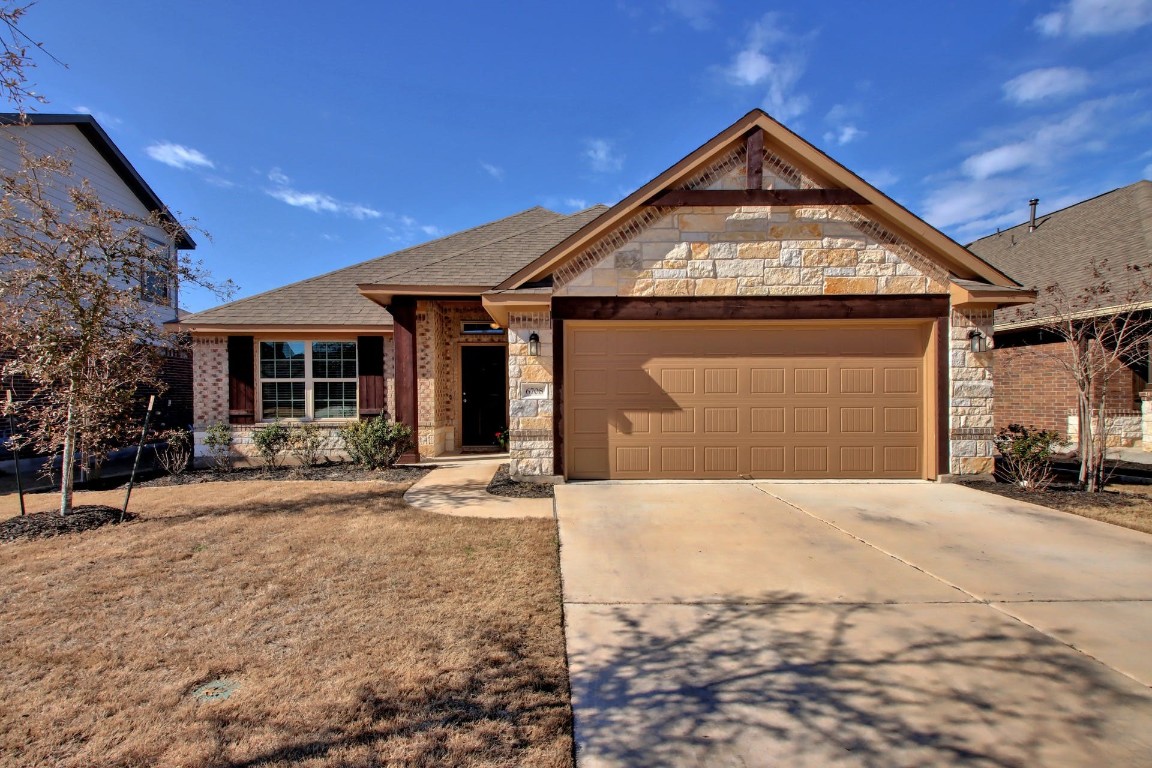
<point>788,683</point>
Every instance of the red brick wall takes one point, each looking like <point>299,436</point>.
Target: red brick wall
<point>1034,389</point>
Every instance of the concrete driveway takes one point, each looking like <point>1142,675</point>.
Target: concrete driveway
<point>820,624</point>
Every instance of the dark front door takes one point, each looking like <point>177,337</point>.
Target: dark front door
<point>483,395</point>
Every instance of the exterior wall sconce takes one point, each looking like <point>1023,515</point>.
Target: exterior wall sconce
<point>534,344</point>
<point>978,341</point>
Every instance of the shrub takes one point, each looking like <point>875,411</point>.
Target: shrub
<point>306,443</point>
<point>271,440</point>
<point>376,442</point>
<point>218,441</point>
<point>176,454</point>
<point>1024,456</point>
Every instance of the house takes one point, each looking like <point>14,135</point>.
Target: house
<point>97,159</point>
<point>1079,248</point>
<point>756,310</point>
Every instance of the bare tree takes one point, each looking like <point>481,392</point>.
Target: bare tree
<point>1102,326</point>
<point>16,49</point>
<point>75,317</point>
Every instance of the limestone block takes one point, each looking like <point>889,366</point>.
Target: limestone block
<point>672,288</point>
<point>670,274</point>
<point>723,250</point>
<point>844,285</point>
<point>725,286</point>
<point>739,268</point>
<point>875,270</point>
<point>961,448</point>
<point>782,276</point>
<point>794,290</point>
<point>698,250</point>
<point>842,243</point>
<point>796,231</point>
<point>830,257</point>
<point>641,287</point>
<point>761,250</point>
<point>904,284</point>
<point>702,222</point>
<point>811,213</point>
<point>791,257</point>
<point>840,271</point>
<point>972,389</point>
<point>518,408</point>
<point>698,269</point>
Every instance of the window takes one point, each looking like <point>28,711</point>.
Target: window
<point>308,380</point>
<point>154,284</point>
<point>479,328</point>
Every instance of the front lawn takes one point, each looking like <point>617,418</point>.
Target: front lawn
<point>1129,506</point>
<point>354,629</point>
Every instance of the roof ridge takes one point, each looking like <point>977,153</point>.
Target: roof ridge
<point>1050,214</point>
<point>321,276</point>
<point>455,254</point>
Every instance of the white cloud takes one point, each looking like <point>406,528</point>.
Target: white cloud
<point>1084,18</point>
<point>770,59</point>
<point>698,13</point>
<point>972,203</point>
<point>1045,145</point>
<point>843,135</point>
<point>576,203</point>
<point>880,178</point>
<point>494,171</point>
<point>317,202</point>
<point>1148,171</point>
<point>103,117</point>
<point>1046,83</point>
<point>178,156</point>
<point>602,156</point>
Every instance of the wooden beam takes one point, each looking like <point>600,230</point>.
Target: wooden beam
<point>750,307</point>
<point>403,310</point>
<point>943,398</point>
<point>755,150</point>
<point>684,197</point>
<point>557,396</point>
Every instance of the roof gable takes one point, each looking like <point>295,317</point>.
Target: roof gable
<point>107,149</point>
<point>693,172</point>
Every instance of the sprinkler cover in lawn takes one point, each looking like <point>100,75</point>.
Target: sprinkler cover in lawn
<point>215,690</point>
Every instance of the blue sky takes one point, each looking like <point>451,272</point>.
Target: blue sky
<point>322,134</point>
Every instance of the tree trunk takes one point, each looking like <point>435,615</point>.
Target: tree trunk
<point>1087,454</point>
<point>67,461</point>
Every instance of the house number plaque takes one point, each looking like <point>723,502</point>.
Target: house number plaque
<point>534,391</point>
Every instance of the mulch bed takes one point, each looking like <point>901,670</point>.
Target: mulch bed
<point>503,485</point>
<point>338,472</point>
<point>1067,498</point>
<point>44,525</point>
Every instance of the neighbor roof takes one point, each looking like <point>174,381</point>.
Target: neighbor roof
<point>479,257</point>
<point>1115,228</point>
<point>112,155</point>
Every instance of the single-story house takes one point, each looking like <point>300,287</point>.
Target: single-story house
<point>1089,251</point>
<point>756,310</point>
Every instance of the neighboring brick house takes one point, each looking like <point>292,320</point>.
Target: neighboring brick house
<point>757,310</point>
<point>98,160</point>
<point>1109,233</point>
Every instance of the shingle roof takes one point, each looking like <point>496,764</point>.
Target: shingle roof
<point>1116,227</point>
<point>483,255</point>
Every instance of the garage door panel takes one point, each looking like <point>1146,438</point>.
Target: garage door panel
<point>677,408</point>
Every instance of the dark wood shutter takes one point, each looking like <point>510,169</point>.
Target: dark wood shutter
<point>241,384</point>
<point>370,378</point>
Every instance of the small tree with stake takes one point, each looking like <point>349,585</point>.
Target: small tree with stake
<point>73,316</point>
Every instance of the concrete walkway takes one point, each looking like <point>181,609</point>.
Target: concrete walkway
<point>851,624</point>
<point>458,487</point>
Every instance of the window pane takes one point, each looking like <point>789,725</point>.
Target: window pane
<point>335,399</point>
<point>282,400</point>
<point>281,359</point>
<point>333,359</point>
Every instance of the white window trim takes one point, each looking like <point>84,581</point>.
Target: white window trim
<point>309,384</point>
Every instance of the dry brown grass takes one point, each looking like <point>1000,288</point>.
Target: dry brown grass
<point>1129,506</point>
<point>360,631</point>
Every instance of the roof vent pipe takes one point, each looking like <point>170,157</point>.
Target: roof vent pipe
<point>1032,218</point>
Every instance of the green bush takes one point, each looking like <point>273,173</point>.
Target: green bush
<point>306,443</point>
<point>376,442</point>
<point>1024,455</point>
<point>218,441</point>
<point>271,440</point>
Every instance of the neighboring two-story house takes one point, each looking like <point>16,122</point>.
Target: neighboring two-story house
<point>97,159</point>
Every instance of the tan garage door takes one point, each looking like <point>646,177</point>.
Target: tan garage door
<point>715,400</point>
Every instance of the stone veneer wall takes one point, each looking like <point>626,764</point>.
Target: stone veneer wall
<point>1124,429</point>
<point>750,251</point>
<point>530,446</point>
<point>1146,419</point>
<point>971,419</point>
